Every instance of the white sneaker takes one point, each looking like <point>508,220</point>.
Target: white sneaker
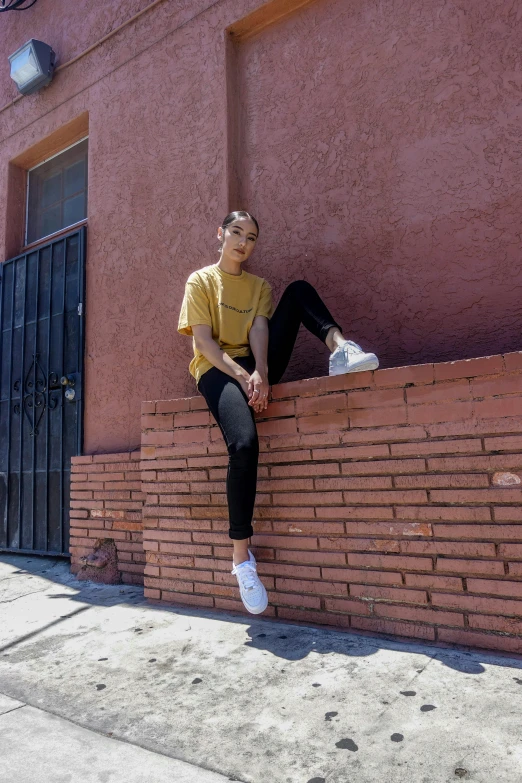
<point>253,593</point>
<point>350,357</point>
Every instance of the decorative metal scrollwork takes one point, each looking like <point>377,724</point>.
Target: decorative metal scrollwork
<point>34,401</point>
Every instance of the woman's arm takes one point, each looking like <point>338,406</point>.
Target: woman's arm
<point>213,353</point>
<point>258,338</point>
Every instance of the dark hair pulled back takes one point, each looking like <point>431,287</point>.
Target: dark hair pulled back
<point>240,214</point>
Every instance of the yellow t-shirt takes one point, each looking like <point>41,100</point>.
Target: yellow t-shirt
<point>228,303</point>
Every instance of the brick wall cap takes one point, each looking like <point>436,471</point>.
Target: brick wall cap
<point>420,374</point>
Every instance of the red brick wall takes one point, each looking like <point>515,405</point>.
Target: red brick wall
<point>387,502</point>
<point>106,502</point>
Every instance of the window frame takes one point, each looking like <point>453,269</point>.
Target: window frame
<point>41,163</point>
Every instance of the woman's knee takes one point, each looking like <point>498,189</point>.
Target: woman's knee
<point>244,451</point>
<point>296,286</point>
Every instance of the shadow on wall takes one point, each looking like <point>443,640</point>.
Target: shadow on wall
<point>283,640</point>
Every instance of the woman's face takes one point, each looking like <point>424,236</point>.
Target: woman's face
<point>239,239</point>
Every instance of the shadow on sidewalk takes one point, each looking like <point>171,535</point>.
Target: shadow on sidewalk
<point>286,640</point>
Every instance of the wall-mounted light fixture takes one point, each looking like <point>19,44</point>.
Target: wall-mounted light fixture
<point>32,66</point>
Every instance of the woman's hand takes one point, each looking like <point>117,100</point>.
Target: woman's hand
<point>244,381</point>
<point>258,391</point>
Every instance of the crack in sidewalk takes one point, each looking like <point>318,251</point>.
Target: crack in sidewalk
<point>18,706</point>
<point>412,680</point>
<point>10,600</point>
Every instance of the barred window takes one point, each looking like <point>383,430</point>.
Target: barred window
<point>57,193</point>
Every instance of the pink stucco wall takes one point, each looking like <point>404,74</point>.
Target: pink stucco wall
<point>378,143</point>
<point>381,150</point>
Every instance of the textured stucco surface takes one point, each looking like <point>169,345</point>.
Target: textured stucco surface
<point>379,146</point>
<point>68,29</point>
<point>381,151</point>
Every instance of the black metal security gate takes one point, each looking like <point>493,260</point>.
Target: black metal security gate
<point>41,410</point>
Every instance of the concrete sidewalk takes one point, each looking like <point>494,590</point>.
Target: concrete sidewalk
<point>99,685</point>
<point>38,746</point>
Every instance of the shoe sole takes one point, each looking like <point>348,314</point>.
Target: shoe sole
<point>254,609</point>
<point>367,362</point>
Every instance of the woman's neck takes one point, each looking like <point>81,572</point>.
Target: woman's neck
<point>229,266</point>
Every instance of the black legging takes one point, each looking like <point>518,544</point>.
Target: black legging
<point>299,304</point>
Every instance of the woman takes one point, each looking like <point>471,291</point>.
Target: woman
<point>241,347</point>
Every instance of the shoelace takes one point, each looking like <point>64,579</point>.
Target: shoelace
<point>351,348</point>
<point>348,348</point>
<point>247,574</point>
